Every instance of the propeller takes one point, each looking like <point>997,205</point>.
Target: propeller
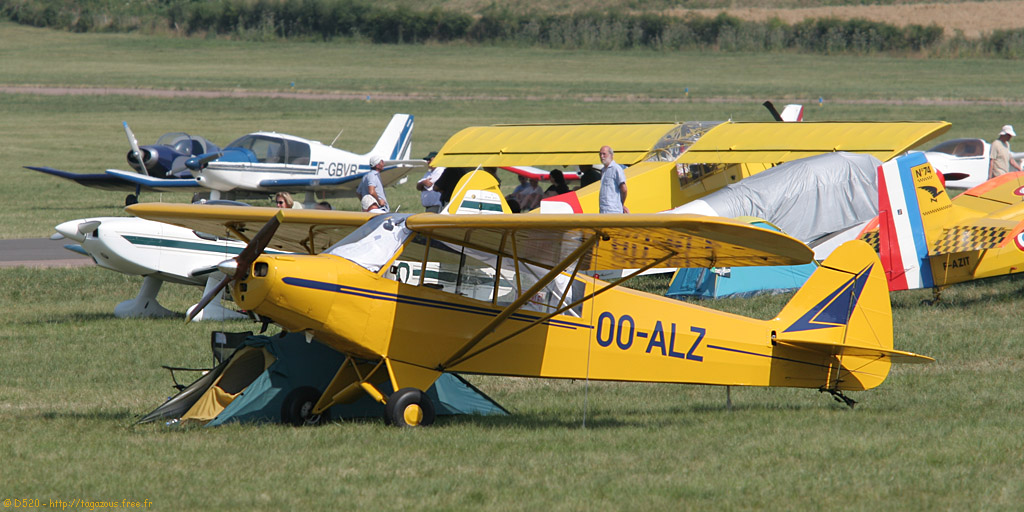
<point>136,152</point>
<point>771,108</point>
<point>237,267</point>
<point>198,163</point>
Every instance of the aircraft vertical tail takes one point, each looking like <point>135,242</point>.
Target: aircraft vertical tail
<point>912,205</point>
<point>396,141</point>
<point>843,314</point>
<point>477,192</point>
<point>793,113</point>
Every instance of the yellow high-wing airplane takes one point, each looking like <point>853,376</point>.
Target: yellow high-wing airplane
<point>509,299</point>
<point>670,164</point>
<point>925,240</point>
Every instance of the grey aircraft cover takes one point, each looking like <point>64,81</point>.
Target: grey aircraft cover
<point>807,198</point>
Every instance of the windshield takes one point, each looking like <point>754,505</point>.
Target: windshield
<point>961,147</point>
<point>675,142</point>
<point>375,243</point>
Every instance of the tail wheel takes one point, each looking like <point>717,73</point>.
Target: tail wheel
<point>409,407</point>
<point>297,408</point>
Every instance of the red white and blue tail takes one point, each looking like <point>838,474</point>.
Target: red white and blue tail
<point>903,244</point>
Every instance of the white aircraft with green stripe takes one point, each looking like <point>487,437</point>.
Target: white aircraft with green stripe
<point>159,252</point>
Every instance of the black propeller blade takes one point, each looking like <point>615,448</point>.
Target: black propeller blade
<point>237,267</point>
<point>771,108</point>
<point>198,163</point>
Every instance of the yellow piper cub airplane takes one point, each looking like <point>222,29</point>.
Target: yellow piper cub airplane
<point>541,316</point>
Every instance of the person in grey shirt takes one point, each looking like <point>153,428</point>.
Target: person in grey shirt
<point>613,184</point>
<point>372,186</point>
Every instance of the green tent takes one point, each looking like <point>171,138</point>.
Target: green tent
<point>266,379</point>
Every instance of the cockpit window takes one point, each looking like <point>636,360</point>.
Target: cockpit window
<point>274,150</point>
<point>961,147</point>
<point>451,267</point>
<point>375,243</point>
<point>475,274</point>
<point>266,149</point>
<point>297,153</point>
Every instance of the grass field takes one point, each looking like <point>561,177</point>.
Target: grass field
<point>73,379</point>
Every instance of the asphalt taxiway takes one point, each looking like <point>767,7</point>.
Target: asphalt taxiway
<point>40,253</point>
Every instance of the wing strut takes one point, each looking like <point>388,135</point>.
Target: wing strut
<point>561,310</point>
<point>523,299</point>
<point>238,234</point>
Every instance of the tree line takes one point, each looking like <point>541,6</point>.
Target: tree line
<point>364,20</point>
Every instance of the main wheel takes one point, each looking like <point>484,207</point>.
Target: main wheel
<point>409,407</point>
<point>297,408</point>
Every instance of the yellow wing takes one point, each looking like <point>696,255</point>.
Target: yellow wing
<point>565,144</point>
<point>993,195</point>
<point>624,241</point>
<point>301,231</point>
<point>737,143</point>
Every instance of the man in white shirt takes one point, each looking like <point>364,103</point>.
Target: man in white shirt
<point>429,197</point>
<point>999,156</point>
<point>613,184</point>
<point>372,186</point>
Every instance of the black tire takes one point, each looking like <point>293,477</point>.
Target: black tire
<point>409,407</point>
<point>298,407</point>
<point>131,199</point>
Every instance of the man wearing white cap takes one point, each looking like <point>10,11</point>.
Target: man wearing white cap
<point>371,185</point>
<point>999,155</point>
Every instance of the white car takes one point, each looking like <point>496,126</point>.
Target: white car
<point>968,157</point>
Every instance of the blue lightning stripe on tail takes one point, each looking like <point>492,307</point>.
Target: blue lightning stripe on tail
<point>401,145</point>
<point>835,309</point>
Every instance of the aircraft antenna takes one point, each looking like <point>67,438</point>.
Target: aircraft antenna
<point>336,137</point>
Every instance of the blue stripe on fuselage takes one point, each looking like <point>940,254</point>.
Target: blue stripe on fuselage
<point>415,301</point>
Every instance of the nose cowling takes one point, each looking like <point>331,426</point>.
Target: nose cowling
<point>296,291</point>
<point>77,230</point>
<point>149,160</point>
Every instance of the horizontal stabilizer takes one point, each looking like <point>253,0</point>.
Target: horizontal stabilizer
<point>839,349</point>
<point>977,235</point>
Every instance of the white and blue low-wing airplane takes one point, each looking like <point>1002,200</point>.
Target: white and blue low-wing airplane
<point>269,162</point>
<point>162,163</point>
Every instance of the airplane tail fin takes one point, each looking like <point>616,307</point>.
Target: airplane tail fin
<point>843,314</point>
<point>396,141</point>
<point>477,192</point>
<point>924,239</point>
<point>793,113</point>
<point>912,206</point>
